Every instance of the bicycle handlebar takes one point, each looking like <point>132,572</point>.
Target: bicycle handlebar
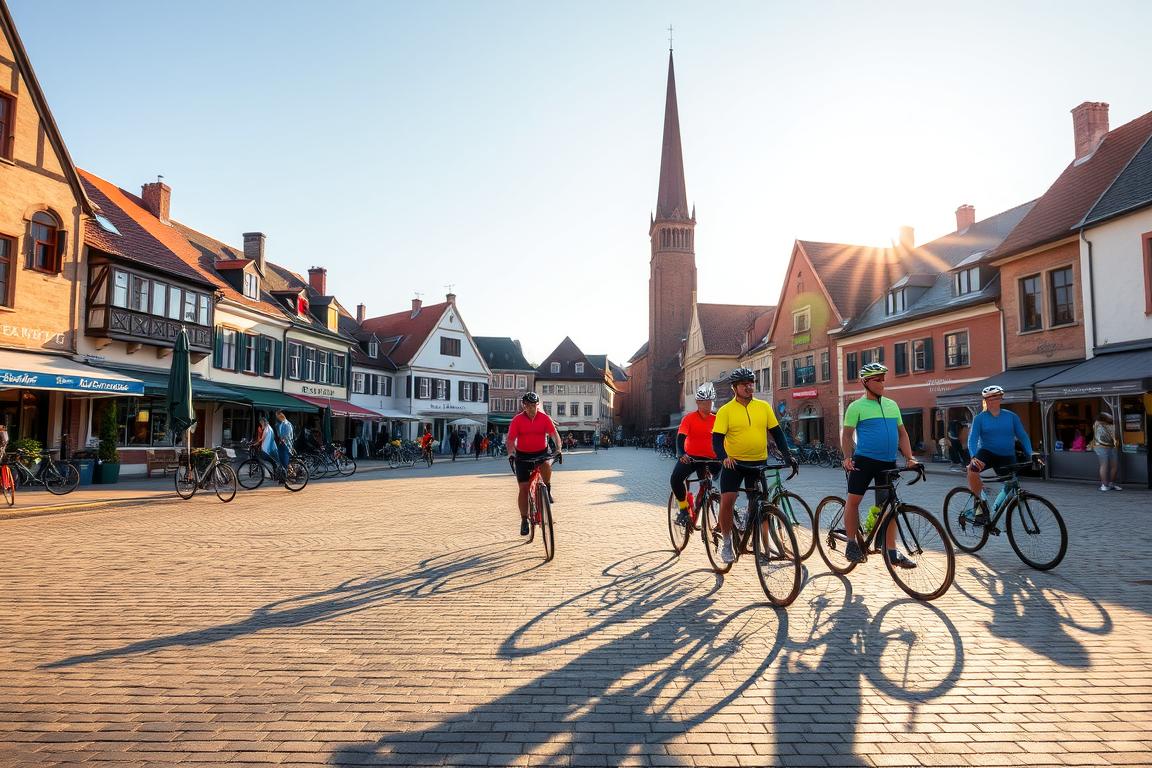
<point>773,468</point>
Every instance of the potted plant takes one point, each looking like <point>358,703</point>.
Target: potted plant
<point>31,447</point>
<point>107,457</point>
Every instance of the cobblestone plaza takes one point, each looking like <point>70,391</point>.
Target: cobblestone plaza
<point>397,619</point>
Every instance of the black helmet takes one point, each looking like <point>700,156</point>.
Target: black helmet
<point>530,397</point>
<point>741,374</point>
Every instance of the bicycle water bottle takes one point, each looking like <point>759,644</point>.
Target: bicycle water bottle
<point>1000,498</point>
<point>691,500</point>
<point>870,523</point>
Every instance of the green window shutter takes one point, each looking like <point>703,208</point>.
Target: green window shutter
<point>241,348</point>
<point>218,350</point>
<point>880,358</point>
<point>929,356</point>
<point>277,357</point>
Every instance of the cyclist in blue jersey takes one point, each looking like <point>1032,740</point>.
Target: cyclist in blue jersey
<point>873,434</point>
<point>992,443</point>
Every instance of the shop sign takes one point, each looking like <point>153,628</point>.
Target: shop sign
<point>1133,422</point>
<point>41,335</point>
<point>800,394</point>
<point>802,338</point>
<point>306,389</point>
<point>939,385</point>
<point>32,380</point>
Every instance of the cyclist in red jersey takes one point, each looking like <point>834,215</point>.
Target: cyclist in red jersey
<point>694,443</point>
<point>527,441</point>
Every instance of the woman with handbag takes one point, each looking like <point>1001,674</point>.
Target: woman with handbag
<point>1104,435</point>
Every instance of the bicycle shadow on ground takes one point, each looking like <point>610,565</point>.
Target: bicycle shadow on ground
<point>655,657</point>
<point>1037,610</point>
<point>908,650</point>
<point>454,571</point>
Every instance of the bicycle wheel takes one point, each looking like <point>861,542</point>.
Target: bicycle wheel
<point>678,533</point>
<point>223,481</point>
<point>250,473</point>
<point>7,484</point>
<point>60,479</point>
<point>346,465</point>
<point>799,515</point>
<point>777,557</point>
<point>408,458</point>
<point>710,530</point>
<point>393,459</point>
<point>1036,531</point>
<point>316,466</point>
<point>830,536</point>
<point>923,540</point>
<point>547,533</point>
<point>185,481</point>
<point>296,476</point>
<point>959,509</point>
<point>428,457</point>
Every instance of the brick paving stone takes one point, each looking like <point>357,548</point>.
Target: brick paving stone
<point>358,624</point>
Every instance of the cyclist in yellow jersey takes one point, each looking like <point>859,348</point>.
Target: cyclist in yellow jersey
<point>740,438</point>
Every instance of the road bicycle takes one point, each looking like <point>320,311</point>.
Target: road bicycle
<point>7,482</point>
<point>776,553</point>
<point>704,496</point>
<point>917,531</point>
<point>58,478</point>
<point>427,456</point>
<point>1035,528</point>
<point>216,475</point>
<point>399,455</point>
<point>252,472</point>
<point>540,504</point>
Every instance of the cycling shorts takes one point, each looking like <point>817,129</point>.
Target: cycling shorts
<point>731,479</point>
<point>868,472</point>
<point>525,463</point>
<point>994,461</point>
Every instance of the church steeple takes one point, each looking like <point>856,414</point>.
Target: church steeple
<point>672,198</point>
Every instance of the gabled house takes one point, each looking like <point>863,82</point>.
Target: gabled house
<point>373,383</point>
<point>611,406</point>
<point>755,355</point>
<point>717,336</point>
<point>444,376</point>
<point>576,392</point>
<point>512,376</point>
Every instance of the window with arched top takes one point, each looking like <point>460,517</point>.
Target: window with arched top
<point>47,241</point>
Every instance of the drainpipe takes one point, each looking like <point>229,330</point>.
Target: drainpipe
<point>1091,289</point>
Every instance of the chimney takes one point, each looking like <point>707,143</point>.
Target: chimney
<point>157,198</point>
<point>361,313</point>
<point>907,237</point>
<point>318,279</point>
<point>451,298</point>
<point>254,249</point>
<point>416,306</point>
<point>965,217</point>
<point>1089,124</point>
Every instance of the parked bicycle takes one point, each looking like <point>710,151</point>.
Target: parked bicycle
<point>540,506</point>
<point>764,531</point>
<point>216,475</point>
<point>252,472</point>
<point>7,481</point>
<point>399,455</point>
<point>57,477</point>
<point>917,531</point>
<point>1035,528</point>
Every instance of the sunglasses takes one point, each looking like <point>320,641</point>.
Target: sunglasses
<point>875,378</point>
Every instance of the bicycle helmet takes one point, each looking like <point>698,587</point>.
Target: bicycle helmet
<point>991,390</point>
<point>869,370</point>
<point>741,374</point>
<point>530,397</point>
<point>706,392</point>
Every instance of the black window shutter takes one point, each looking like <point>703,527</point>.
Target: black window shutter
<point>277,354</point>
<point>880,354</point>
<point>461,395</point>
<point>61,243</point>
<point>850,366</point>
<point>448,389</point>
<point>900,353</point>
<point>241,345</point>
<point>408,386</point>
<point>929,356</point>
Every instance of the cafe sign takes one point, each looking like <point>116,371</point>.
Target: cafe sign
<point>801,394</point>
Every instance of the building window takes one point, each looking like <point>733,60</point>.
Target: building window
<point>766,379</point>
<point>825,367</point>
<point>574,408</point>
<point>358,383</point>
<point>441,389</point>
<point>587,409</point>
<point>249,353</point>
<point>373,349</point>
<point>424,388</point>
<point>802,320</point>
<point>7,248</point>
<point>159,295</point>
<point>522,383</point>
<point>189,307</point>
<point>47,243</point>
<point>509,405</point>
<point>873,355</point>
<point>251,285</point>
<point>956,349</point>
<point>322,367</point>
<point>175,302</point>
<point>227,349</point>
<point>268,356</point>
<point>547,407</point>
<point>293,360</point>
<point>1060,294</point>
<point>1031,318</point>
<point>7,127</point>
<point>850,370</point>
<point>784,374</point>
<point>579,367</point>
<point>967,281</point>
<point>450,347</point>
<point>554,367</point>
<point>561,408</point>
<point>900,357</point>
<point>138,300</point>
<point>896,303</point>
<point>803,371</point>
<point>309,364</point>
<point>922,355</point>
<point>338,370</point>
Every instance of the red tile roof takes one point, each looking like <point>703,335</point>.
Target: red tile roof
<point>411,330</point>
<point>854,275</point>
<point>723,326</point>
<point>1077,189</point>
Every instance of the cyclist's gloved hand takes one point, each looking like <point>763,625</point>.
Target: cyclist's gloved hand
<point>559,457</point>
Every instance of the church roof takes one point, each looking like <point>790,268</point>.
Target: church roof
<point>672,197</point>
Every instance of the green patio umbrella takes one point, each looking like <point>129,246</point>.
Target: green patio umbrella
<point>181,415</point>
<point>326,424</point>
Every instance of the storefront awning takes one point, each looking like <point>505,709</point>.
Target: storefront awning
<point>156,384</point>
<point>1018,385</point>
<point>395,415</point>
<point>28,370</point>
<point>273,400</point>
<point>341,407</point>
<point>500,421</point>
<point>1117,373</point>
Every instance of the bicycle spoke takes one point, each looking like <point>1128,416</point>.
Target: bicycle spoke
<point>922,541</point>
<point>1037,532</point>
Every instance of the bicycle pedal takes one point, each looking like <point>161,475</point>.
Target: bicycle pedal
<point>993,530</point>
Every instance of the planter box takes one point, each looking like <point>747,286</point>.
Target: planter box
<point>86,468</point>
<point>107,473</point>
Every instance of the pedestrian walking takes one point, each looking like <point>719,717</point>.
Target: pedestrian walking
<point>1104,437</point>
<point>454,442</point>
<point>478,444</point>
<point>285,437</point>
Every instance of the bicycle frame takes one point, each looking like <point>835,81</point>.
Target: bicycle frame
<point>888,510</point>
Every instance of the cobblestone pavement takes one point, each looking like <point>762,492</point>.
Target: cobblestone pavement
<point>397,619</point>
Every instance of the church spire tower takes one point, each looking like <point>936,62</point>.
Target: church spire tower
<point>673,270</point>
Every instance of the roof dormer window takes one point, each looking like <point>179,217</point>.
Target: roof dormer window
<point>967,281</point>
<point>251,285</point>
<point>373,349</point>
<point>579,367</point>
<point>301,305</point>
<point>896,301</point>
<point>555,368</point>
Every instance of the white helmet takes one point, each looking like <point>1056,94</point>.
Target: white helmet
<point>992,389</point>
<point>706,392</point>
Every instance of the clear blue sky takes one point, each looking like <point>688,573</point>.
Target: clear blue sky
<point>498,145</point>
